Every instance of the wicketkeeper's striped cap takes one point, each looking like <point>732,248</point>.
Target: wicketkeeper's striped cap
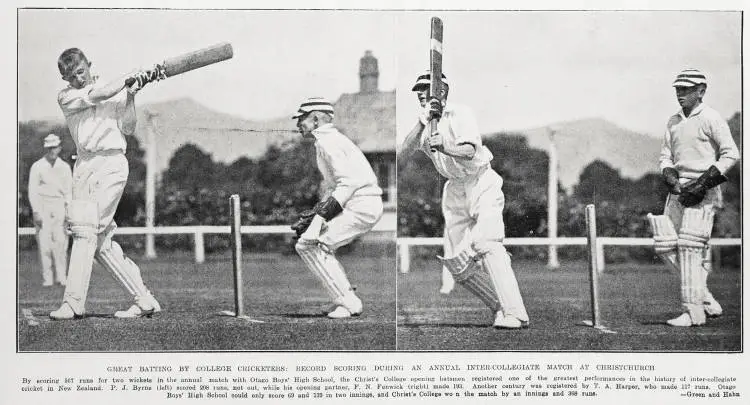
<point>314,104</point>
<point>424,80</point>
<point>689,78</point>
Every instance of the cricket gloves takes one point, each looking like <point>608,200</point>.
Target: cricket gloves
<point>672,180</point>
<point>694,191</point>
<point>326,210</point>
<point>433,110</point>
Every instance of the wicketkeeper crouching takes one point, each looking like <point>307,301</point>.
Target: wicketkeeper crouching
<point>350,207</point>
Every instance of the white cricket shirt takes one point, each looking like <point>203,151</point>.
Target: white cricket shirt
<point>693,144</point>
<point>49,183</point>
<point>457,125</point>
<point>93,126</point>
<point>346,172</point>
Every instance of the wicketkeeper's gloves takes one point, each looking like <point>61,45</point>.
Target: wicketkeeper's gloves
<point>327,209</point>
<point>694,191</point>
<point>672,180</point>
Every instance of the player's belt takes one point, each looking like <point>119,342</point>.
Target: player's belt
<point>82,154</point>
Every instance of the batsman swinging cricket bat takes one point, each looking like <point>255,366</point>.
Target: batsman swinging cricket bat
<point>436,66</point>
<point>190,61</point>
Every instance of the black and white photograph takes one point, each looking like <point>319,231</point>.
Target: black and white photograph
<point>546,122</point>
<point>193,125</point>
<point>332,202</point>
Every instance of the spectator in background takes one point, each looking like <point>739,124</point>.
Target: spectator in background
<point>50,187</point>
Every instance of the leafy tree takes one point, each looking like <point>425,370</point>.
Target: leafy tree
<point>190,168</point>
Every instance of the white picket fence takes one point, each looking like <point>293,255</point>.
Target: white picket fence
<point>404,244</point>
<point>199,232</point>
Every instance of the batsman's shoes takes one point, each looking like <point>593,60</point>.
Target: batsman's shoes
<point>135,312</point>
<point>445,290</point>
<point>712,308</point>
<point>65,312</point>
<point>508,322</point>
<point>47,284</point>
<point>350,306</point>
<point>341,312</point>
<point>683,320</point>
<point>148,301</point>
<point>326,309</point>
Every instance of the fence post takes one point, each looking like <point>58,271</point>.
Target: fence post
<point>200,249</point>
<point>405,262</point>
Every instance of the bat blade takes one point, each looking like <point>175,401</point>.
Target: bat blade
<point>436,56</point>
<point>197,59</point>
<point>436,65</point>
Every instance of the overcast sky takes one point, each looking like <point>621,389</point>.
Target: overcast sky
<point>517,69</point>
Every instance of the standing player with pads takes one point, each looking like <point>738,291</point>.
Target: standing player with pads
<point>473,203</point>
<point>351,205</point>
<point>98,116</point>
<point>696,152</point>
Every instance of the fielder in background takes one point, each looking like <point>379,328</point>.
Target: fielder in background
<point>50,188</point>
<point>696,152</point>
<point>98,115</point>
<point>473,203</point>
<point>350,206</point>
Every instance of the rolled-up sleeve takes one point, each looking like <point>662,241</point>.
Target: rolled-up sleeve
<point>73,100</point>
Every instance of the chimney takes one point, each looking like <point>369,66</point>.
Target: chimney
<point>368,73</point>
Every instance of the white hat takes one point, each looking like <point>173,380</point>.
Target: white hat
<point>314,104</point>
<point>424,80</point>
<point>51,141</point>
<point>689,78</point>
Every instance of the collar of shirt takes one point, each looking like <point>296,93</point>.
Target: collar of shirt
<point>322,130</point>
<point>50,164</point>
<point>696,110</point>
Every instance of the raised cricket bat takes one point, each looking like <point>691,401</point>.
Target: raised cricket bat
<point>189,61</point>
<point>436,65</point>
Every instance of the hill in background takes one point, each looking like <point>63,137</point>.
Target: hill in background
<point>581,142</point>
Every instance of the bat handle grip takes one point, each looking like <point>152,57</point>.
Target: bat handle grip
<point>129,81</point>
<point>433,129</point>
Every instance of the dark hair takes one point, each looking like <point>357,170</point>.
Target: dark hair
<point>69,59</point>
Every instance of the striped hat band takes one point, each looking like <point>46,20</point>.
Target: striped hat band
<point>424,80</point>
<point>689,78</point>
<point>314,104</point>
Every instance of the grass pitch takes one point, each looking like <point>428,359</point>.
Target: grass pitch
<point>278,290</point>
<point>635,301</point>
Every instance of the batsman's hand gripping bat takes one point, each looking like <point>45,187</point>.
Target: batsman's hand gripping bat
<point>436,66</point>
<point>184,63</point>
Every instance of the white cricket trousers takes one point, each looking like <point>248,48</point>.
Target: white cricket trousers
<point>53,241</point>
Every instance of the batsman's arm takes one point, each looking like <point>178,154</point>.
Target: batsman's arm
<point>101,93</point>
<point>128,120</point>
<point>464,151</point>
<point>410,144</point>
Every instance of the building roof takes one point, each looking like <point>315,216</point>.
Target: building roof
<point>368,119</point>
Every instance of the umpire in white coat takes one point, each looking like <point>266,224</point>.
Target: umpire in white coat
<point>50,188</point>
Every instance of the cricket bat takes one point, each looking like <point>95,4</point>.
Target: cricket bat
<point>436,65</point>
<point>189,61</point>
